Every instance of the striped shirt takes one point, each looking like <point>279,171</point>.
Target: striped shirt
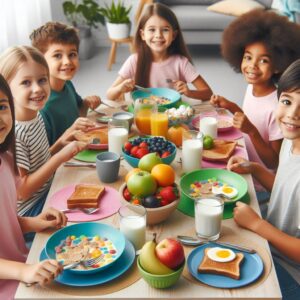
<point>32,151</point>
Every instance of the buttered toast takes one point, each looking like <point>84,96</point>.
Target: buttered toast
<point>230,269</point>
<point>221,151</point>
<point>88,137</point>
<point>85,196</point>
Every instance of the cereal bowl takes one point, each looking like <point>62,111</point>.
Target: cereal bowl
<point>160,281</point>
<point>110,240</point>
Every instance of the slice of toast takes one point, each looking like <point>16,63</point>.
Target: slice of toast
<point>221,151</point>
<point>230,269</point>
<point>88,137</point>
<point>85,196</point>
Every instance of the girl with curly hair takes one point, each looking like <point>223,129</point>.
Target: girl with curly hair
<point>160,53</point>
<point>260,45</point>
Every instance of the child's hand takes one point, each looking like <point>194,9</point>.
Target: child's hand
<point>241,122</point>
<point>239,165</point>
<point>42,273</point>
<point>126,86</point>
<point>181,87</point>
<point>83,124</point>
<point>92,101</point>
<point>70,150</point>
<point>50,218</point>
<point>219,101</point>
<point>246,217</point>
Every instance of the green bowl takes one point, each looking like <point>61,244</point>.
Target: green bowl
<point>186,203</point>
<point>160,281</point>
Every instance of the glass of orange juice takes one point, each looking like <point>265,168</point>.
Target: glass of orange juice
<point>159,124</point>
<point>143,109</point>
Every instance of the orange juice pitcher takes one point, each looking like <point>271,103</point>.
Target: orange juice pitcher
<point>159,124</point>
<point>143,109</point>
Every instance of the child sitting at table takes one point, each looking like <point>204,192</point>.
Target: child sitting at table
<point>26,71</point>
<point>161,57</point>
<point>281,225</point>
<point>13,251</point>
<point>60,43</point>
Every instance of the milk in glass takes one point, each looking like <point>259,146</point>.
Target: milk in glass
<point>209,126</point>
<point>117,136</point>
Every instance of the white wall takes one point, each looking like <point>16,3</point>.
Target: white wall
<point>100,34</point>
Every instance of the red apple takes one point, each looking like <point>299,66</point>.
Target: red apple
<point>170,253</point>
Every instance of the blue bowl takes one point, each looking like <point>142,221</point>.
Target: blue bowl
<point>133,161</point>
<point>88,229</point>
<point>172,95</point>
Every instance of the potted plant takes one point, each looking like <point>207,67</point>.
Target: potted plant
<point>84,15</point>
<point>117,19</point>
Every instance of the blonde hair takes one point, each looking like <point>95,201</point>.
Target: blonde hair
<point>13,57</point>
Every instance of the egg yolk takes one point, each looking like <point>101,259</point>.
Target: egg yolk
<point>223,253</point>
<point>227,190</point>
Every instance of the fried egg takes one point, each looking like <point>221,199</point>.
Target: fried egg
<point>229,191</point>
<point>221,254</point>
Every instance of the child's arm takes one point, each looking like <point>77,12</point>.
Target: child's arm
<point>91,101</point>
<point>242,166</point>
<point>202,92</point>
<point>42,273</point>
<point>30,183</point>
<point>219,101</point>
<point>268,152</point>
<point>119,87</point>
<point>246,217</point>
<point>49,218</point>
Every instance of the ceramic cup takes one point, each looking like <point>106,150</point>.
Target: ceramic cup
<point>108,165</point>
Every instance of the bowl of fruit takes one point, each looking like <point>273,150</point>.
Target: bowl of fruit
<point>154,188</point>
<point>136,148</point>
<point>161,264</point>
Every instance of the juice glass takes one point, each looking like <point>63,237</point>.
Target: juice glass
<point>159,124</point>
<point>143,109</point>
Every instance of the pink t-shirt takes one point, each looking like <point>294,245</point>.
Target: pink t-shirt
<point>12,245</point>
<point>175,67</point>
<point>261,112</point>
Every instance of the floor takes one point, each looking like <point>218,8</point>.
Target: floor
<point>94,79</point>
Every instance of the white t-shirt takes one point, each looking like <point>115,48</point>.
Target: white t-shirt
<point>284,206</point>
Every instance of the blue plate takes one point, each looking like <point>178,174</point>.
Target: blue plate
<point>88,229</point>
<point>117,269</point>
<point>251,268</point>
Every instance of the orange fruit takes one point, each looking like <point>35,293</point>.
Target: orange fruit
<point>131,172</point>
<point>175,134</point>
<point>163,174</point>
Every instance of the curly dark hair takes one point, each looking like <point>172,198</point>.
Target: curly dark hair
<point>280,36</point>
<point>54,32</point>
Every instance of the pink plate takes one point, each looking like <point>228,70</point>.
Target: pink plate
<point>109,204</point>
<point>195,123</point>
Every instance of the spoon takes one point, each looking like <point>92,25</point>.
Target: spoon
<point>146,90</point>
<point>190,241</point>
<point>87,211</point>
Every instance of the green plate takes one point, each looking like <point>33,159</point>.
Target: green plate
<point>88,155</point>
<point>186,204</point>
<point>131,107</point>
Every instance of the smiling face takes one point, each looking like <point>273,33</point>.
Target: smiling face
<point>256,65</point>
<point>63,62</point>
<point>30,88</point>
<point>5,117</point>
<point>288,116</point>
<point>158,34</point>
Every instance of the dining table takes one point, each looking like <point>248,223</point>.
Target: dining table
<point>131,285</point>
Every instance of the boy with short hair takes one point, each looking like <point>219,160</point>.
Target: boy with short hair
<point>281,227</point>
<point>60,43</point>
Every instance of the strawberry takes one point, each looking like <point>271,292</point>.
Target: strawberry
<point>165,154</point>
<point>127,146</point>
<point>143,145</point>
<point>134,150</point>
<point>168,193</point>
<point>126,194</point>
<point>141,152</point>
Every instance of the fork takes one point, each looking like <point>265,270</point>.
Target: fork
<point>169,80</point>
<point>146,90</point>
<point>87,211</point>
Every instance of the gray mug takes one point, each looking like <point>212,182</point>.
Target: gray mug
<point>108,165</point>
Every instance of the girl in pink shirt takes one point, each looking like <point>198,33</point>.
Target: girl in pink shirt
<point>13,251</point>
<point>261,45</point>
<point>160,54</point>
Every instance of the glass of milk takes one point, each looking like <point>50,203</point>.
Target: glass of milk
<point>208,123</point>
<point>208,217</point>
<point>133,224</point>
<point>117,135</point>
<point>192,147</point>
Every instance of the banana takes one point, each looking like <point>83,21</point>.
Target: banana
<point>150,262</point>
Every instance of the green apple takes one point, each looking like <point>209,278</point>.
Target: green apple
<point>142,184</point>
<point>148,161</point>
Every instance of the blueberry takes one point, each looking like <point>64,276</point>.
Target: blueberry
<point>151,202</point>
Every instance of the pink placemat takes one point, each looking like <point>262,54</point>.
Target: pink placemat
<point>222,165</point>
<point>109,204</point>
